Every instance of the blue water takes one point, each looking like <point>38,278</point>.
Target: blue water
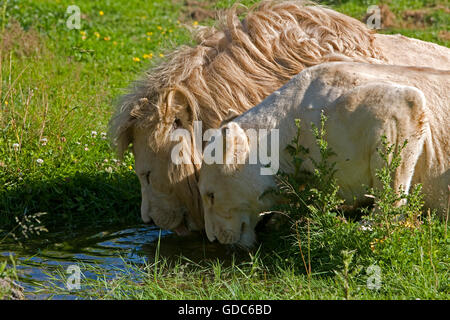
<point>40,262</point>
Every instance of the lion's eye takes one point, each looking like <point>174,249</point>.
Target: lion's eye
<point>210,196</point>
<point>177,123</point>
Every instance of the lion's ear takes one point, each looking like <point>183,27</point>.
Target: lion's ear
<point>182,107</point>
<point>235,147</point>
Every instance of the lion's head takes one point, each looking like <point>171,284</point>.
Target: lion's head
<point>234,66</point>
<point>232,207</point>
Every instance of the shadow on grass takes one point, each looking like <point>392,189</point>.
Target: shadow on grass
<point>86,212</point>
<point>78,201</point>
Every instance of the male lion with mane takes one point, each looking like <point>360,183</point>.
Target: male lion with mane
<point>234,67</point>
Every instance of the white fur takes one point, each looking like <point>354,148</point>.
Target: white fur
<point>362,102</point>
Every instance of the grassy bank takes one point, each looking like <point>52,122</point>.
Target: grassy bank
<point>57,171</point>
<point>312,250</point>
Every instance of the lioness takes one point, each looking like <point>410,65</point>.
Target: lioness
<point>362,103</point>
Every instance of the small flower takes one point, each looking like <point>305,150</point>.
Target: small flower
<point>93,134</point>
<point>97,34</point>
<point>136,59</point>
<point>115,43</point>
<point>148,39</point>
<point>107,38</point>
<point>101,13</point>
<point>6,102</point>
<point>109,170</point>
<point>195,23</point>
<point>39,161</point>
<point>83,38</point>
<point>44,141</point>
<point>161,55</point>
<point>86,149</point>
<point>159,27</point>
<point>83,33</point>
<point>103,135</point>
<point>63,139</point>
<point>105,160</point>
<point>148,56</point>
<point>130,167</point>
<point>16,147</point>
<point>149,33</point>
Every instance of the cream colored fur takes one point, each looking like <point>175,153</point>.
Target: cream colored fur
<point>362,103</point>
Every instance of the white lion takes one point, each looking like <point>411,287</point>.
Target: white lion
<point>362,103</point>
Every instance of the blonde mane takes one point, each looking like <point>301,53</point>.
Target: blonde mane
<point>236,65</point>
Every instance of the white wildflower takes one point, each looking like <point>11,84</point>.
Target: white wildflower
<point>365,225</point>
<point>16,146</point>
<point>109,170</point>
<point>39,161</point>
<point>44,141</point>
<point>93,134</point>
<point>103,135</point>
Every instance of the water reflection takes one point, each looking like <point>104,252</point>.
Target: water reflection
<point>110,250</point>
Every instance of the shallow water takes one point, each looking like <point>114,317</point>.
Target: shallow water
<point>39,261</point>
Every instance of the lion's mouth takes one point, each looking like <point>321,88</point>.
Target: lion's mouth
<point>182,229</point>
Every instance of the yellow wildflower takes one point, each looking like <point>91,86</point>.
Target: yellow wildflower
<point>159,28</point>
<point>83,33</point>
<point>377,241</point>
<point>161,55</point>
<point>136,59</point>
<point>195,23</point>
<point>115,43</point>
<point>6,102</point>
<point>97,34</point>
<point>148,39</point>
<point>130,167</point>
<point>149,33</point>
<point>107,38</point>
<point>101,13</point>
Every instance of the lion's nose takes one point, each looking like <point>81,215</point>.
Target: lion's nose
<point>146,218</point>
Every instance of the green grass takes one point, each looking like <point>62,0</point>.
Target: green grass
<point>59,85</point>
<point>318,253</point>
